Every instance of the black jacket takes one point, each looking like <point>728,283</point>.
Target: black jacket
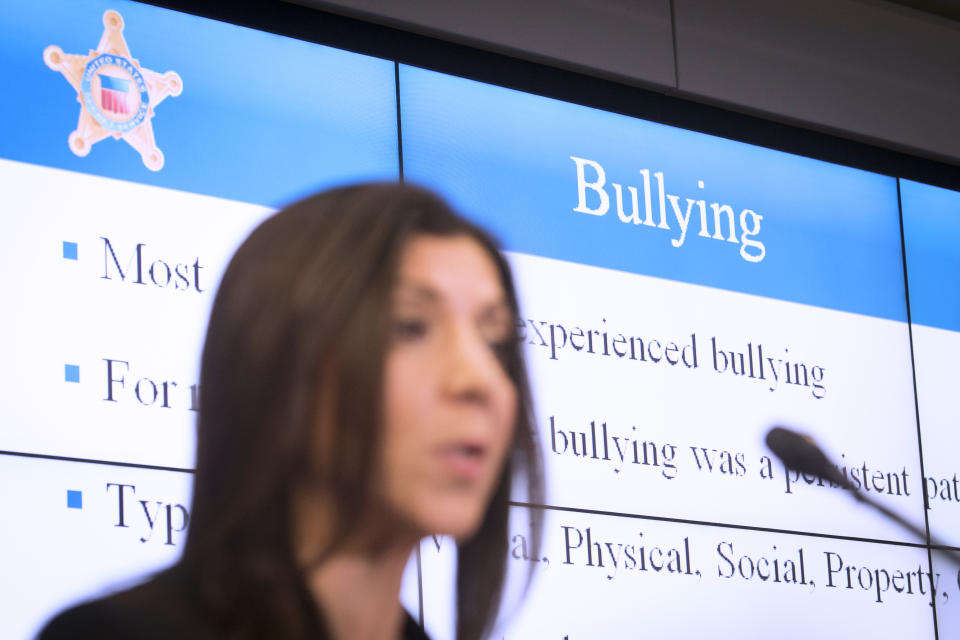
<point>164,608</point>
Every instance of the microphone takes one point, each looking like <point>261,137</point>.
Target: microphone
<point>801,453</point>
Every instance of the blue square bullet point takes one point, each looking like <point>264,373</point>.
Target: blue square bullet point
<point>74,499</point>
<point>71,373</point>
<point>69,250</point>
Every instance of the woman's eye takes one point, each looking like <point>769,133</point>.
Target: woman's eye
<point>409,328</point>
<point>501,349</point>
<point>501,342</point>
<point>500,338</point>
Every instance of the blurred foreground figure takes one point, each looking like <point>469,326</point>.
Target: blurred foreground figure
<point>362,388</point>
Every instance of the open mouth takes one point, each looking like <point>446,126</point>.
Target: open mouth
<point>464,460</point>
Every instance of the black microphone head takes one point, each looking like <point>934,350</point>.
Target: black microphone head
<point>801,453</point>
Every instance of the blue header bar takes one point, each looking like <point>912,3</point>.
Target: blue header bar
<point>931,231</point>
<point>579,184</point>
<point>234,112</point>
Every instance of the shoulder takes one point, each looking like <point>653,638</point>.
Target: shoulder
<point>156,609</point>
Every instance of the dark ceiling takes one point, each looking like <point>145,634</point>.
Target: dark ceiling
<point>945,8</point>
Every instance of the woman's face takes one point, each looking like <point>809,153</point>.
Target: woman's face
<point>449,405</point>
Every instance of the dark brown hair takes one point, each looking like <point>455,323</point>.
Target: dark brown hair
<point>307,291</point>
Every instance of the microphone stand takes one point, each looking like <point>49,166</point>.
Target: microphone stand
<point>800,453</point>
<point>934,543</point>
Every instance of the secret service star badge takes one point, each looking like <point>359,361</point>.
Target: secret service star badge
<point>117,96</point>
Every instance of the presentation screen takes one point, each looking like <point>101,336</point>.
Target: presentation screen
<point>139,148</point>
<point>680,295</point>
<point>931,227</point>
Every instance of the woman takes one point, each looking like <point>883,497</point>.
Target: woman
<point>362,387</point>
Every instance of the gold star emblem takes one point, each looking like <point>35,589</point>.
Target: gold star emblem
<point>116,95</point>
